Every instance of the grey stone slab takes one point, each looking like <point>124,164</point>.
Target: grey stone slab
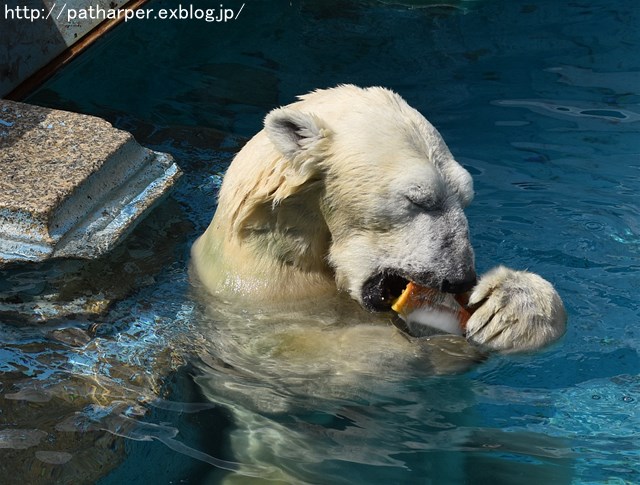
<point>71,185</point>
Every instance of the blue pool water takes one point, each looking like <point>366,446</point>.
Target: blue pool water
<point>539,100</point>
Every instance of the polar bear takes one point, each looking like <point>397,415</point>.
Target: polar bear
<point>323,218</point>
<point>350,190</point>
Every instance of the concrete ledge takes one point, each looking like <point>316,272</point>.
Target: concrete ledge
<point>71,185</point>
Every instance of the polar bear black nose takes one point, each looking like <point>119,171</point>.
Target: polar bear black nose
<point>460,286</point>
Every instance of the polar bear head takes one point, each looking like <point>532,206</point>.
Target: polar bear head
<point>355,182</point>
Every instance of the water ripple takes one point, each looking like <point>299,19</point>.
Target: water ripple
<point>583,110</point>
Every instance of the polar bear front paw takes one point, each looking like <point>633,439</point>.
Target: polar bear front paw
<point>515,311</point>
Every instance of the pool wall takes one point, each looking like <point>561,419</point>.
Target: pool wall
<point>39,36</point>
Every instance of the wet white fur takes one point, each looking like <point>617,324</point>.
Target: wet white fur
<point>343,183</point>
<point>339,185</point>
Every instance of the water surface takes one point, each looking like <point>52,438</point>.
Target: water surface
<point>538,100</point>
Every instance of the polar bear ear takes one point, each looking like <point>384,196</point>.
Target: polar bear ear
<point>297,135</point>
<point>459,178</point>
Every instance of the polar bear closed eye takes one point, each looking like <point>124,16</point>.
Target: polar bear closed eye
<point>352,190</point>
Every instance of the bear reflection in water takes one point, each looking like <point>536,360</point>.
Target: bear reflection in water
<point>324,217</point>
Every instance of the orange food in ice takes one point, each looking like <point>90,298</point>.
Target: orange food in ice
<point>415,297</point>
